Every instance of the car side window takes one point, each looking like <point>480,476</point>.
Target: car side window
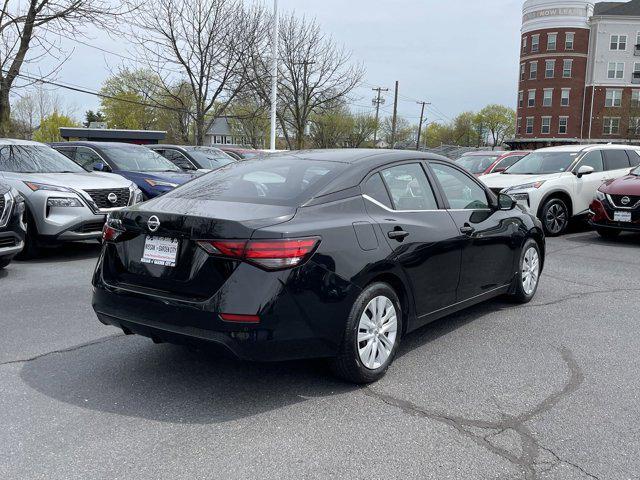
<point>616,160</point>
<point>375,189</point>
<point>461,191</point>
<point>87,158</point>
<point>409,187</point>
<point>634,157</point>
<point>178,159</point>
<point>507,162</point>
<point>67,151</point>
<point>593,159</point>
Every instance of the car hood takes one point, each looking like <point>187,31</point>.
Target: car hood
<point>172,177</point>
<point>501,180</point>
<point>76,181</point>
<point>629,185</point>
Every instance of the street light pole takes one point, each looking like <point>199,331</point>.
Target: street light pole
<point>274,74</point>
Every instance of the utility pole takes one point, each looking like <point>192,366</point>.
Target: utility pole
<point>420,124</point>
<point>379,100</point>
<point>394,122</point>
<point>274,74</point>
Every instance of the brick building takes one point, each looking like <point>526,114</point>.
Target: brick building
<point>579,73</point>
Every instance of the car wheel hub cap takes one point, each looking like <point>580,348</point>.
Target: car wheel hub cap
<point>377,332</point>
<point>556,218</point>
<point>530,270</point>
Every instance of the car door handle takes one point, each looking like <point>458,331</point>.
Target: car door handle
<point>399,235</point>
<point>467,230</point>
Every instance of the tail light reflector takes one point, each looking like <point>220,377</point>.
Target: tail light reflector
<point>234,318</point>
<point>269,254</point>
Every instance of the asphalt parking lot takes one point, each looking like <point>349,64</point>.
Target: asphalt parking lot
<point>548,390</point>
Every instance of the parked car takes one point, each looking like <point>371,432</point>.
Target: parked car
<point>12,226</point>
<point>190,158</point>
<point>616,207</point>
<point>505,160</point>
<point>240,153</point>
<point>151,172</point>
<point>559,183</point>
<point>477,162</point>
<point>331,254</point>
<point>64,203</point>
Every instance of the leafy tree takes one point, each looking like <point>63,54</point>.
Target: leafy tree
<point>362,130</point>
<point>332,128</point>
<point>405,131</point>
<point>90,117</point>
<point>49,129</point>
<point>499,121</point>
<point>123,106</point>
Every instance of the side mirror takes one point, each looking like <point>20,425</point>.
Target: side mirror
<point>99,167</point>
<point>585,170</point>
<point>499,170</point>
<point>506,202</point>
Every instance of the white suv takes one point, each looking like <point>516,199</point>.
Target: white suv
<point>558,183</point>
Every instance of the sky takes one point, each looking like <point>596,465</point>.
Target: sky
<point>459,55</point>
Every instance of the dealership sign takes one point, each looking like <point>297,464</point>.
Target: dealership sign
<point>553,12</point>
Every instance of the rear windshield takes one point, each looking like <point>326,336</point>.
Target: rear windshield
<point>35,159</point>
<point>273,181</point>
<point>208,157</point>
<point>138,159</point>
<point>476,163</point>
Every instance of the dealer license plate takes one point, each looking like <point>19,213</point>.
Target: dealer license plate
<point>160,251</point>
<point>622,216</point>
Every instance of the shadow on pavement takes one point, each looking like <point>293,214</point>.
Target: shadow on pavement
<point>131,376</point>
<point>67,252</point>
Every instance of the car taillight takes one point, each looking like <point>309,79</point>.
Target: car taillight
<point>112,230</point>
<point>268,254</point>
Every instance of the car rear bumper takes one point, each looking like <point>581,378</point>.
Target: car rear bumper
<point>292,325</point>
<point>622,226</point>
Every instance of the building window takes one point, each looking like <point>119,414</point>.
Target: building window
<point>635,76</point>
<point>611,125</point>
<point>532,98</point>
<point>567,67</point>
<point>535,43</point>
<point>613,98</point>
<point>635,99</point>
<point>615,70</point>
<point>546,125</point>
<point>552,40</point>
<point>524,44</point>
<point>564,99</point>
<point>519,125</point>
<point>568,41</point>
<point>529,125</point>
<point>520,99</point>
<point>533,70</point>
<point>618,42</point>
<point>563,123</point>
<point>549,68</point>
<point>522,71</point>
<point>634,125</point>
<point>547,98</point>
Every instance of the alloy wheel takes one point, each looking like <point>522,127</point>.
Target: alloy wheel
<point>530,270</point>
<point>556,218</point>
<point>377,332</point>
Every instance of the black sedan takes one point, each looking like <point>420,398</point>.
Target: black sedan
<point>12,224</point>
<point>193,158</point>
<point>334,254</point>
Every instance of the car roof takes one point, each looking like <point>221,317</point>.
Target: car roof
<point>588,147</point>
<point>497,153</point>
<point>87,143</point>
<point>368,156</point>
<point>15,141</point>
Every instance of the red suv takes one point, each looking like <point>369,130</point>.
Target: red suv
<point>483,163</point>
<point>616,207</point>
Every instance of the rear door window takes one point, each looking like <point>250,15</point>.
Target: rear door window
<point>616,160</point>
<point>592,159</point>
<point>409,188</point>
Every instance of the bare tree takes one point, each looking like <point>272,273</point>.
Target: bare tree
<point>364,126</point>
<point>32,29</point>
<point>200,43</point>
<point>314,74</point>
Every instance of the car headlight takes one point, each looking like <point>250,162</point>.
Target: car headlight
<point>19,199</point>
<point>41,186</point>
<point>526,186</point>
<point>159,183</point>
<point>601,195</point>
<point>136,194</point>
<point>63,202</point>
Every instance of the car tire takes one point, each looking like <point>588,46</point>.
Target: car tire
<point>31,247</point>
<point>555,217</point>
<point>367,360</point>
<point>608,233</point>
<point>4,262</point>
<point>529,268</point>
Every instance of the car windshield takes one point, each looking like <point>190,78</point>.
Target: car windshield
<point>476,163</point>
<point>35,159</point>
<point>540,163</point>
<point>274,181</point>
<point>138,159</point>
<point>208,157</point>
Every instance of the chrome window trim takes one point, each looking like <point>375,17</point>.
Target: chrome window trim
<point>8,207</point>
<point>383,206</point>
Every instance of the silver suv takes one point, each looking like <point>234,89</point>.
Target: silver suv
<point>64,202</point>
